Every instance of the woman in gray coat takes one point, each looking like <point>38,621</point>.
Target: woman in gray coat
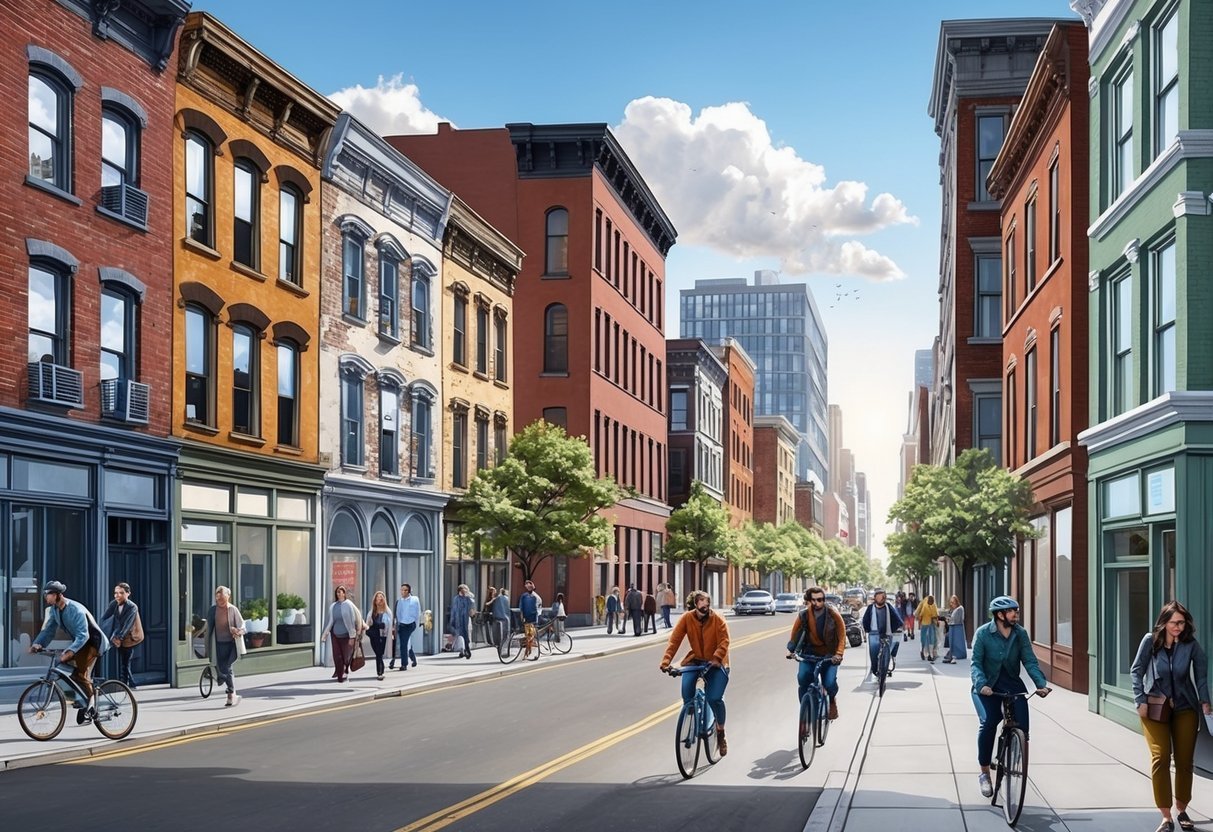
<point>957,639</point>
<point>343,626</point>
<point>224,625</point>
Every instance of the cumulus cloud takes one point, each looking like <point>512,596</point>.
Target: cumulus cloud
<point>390,108</point>
<point>727,185</point>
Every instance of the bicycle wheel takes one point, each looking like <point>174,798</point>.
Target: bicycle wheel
<point>116,710</point>
<point>206,681</point>
<point>562,642</point>
<point>42,710</point>
<point>711,740</point>
<point>804,726</point>
<point>512,647</point>
<point>823,720</point>
<point>882,669</point>
<point>686,742</point>
<point>1013,772</point>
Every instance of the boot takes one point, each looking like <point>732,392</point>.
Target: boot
<point>721,743</point>
<point>833,714</point>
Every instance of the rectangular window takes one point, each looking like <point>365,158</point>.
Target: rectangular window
<point>49,314</point>
<point>500,441</point>
<point>288,395</point>
<point>197,366</point>
<point>606,249</point>
<point>290,221</point>
<point>50,131</point>
<point>244,230</point>
<point>1122,134</point>
<point>500,334</point>
<point>421,311</point>
<point>1122,497</point>
<point>598,240</point>
<point>989,296</point>
<point>558,416</point>
<point>351,420</point>
<point>198,184</point>
<point>389,296</point>
<point>459,444</point>
<point>1166,83</point>
<point>482,339</point>
<point>1030,402</point>
<point>353,270</point>
<point>1063,556</point>
<point>482,444</point>
<point>244,381</point>
<point>1164,319</point>
<point>1011,276</point>
<point>678,464</point>
<point>990,130</point>
<point>421,437</point>
<point>1054,212</point>
<point>617,260</point>
<point>1055,387</point>
<point>1029,243</point>
<point>678,410</point>
<point>1122,345</point>
<point>1012,422</point>
<point>988,418</point>
<point>1042,590</point>
<point>460,356</point>
<point>389,431</point>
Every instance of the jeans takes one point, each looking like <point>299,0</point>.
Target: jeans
<point>804,677</point>
<point>650,622</point>
<point>636,616</point>
<point>501,631</point>
<point>225,657</point>
<point>991,720</point>
<point>874,648</point>
<point>714,683</point>
<point>612,620</point>
<point>404,643</point>
<point>927,636</point>
<point>665,615</point>
<point>125,654</point>
<point>378,645</point>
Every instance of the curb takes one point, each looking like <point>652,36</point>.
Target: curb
<point>832,807</point>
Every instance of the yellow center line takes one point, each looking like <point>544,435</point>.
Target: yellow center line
<point>445,817</point>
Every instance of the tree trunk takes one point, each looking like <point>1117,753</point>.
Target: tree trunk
<point>966,583</point>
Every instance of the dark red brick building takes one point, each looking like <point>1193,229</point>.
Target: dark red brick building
<point>85,324</point>
<point>589,315</point>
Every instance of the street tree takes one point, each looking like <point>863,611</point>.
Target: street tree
<point>813,561</point>
<point>913,564</point>
<point>969,512</point>
<point>699,530</point>
<point>543,500</point>
<point>850,565</point>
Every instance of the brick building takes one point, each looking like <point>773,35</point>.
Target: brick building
<point>589,316</point>
<point>1041,178</point>
<point>775,443</point>
<point>85,327</point>
<point>738,445</point>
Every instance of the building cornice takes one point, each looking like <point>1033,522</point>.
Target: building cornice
<point>1104,21</point>
<point>787,431</point>
<point>481,248</point>
<point>571,150</point>
<point>1170,409</point>
<point>343,487</point>
<point>693,351</point>
<point>221,66</point>
<point>146,27</point>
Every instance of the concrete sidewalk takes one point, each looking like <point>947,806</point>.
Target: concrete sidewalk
<point>166,713</point>
<point>919,769</point>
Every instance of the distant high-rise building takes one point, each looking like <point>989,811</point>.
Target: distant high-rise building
<point>780,328</point>
<point>924,368</point>
<point>835,441</point>
<point>863,513</point>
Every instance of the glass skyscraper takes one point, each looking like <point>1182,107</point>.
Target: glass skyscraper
<point>779,326</point>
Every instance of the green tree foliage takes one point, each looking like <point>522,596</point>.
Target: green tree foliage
<point>789,549</point>
<point>543,500</point>
<point>698,530</point>
<point>850,565</point>
<point>812,560</point>
<point>969,512</point>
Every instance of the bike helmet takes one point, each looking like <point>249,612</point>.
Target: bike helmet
<point>54,586</point>
<point>1003,603</point>
<point>878,591</point>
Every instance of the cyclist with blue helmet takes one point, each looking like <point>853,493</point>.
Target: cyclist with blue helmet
<point>999,649</point>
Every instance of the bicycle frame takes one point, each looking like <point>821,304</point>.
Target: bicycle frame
<point>1011,734</point>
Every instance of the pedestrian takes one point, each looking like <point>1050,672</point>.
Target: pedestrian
<point>926,613</point>
<point>613,605</point>
<point>633,602</point>
<point>599,608</point>
<point>500,613</point>
<point>957,639</point>
<point>343,626</point>
<point>667,600</point>
<point>486,616</point>
<point>122,626</point>
<point>462,606</point>
<point>88,642</point>
<point>408,616</point>
<point>529,605</point>
<point>650,613</point>
<point>225,629</point>
<point>559,614</point>
<point>1169,659</point>
<point>379,628</point>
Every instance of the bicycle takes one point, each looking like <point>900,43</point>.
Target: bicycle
<point>206,680</point>
<point>885,663</point>
<point>696,725</point>
<point>42,707</point>
<point>1010,762</point>
<point>814,722</point>
<point>546,641</point>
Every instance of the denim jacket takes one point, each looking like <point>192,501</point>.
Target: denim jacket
<point>78,622</point>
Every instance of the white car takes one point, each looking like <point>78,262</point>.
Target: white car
<point>755,601</point>
<point>789,602</point>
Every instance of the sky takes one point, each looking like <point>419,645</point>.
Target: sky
<point>793,136</point>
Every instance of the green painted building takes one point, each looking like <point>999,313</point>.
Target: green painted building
<point>1151,313</point>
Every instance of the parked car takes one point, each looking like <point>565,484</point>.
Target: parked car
<point>834,600</point>
<point>755,601</point>
<point>856,596</point>
<point>789,602</point>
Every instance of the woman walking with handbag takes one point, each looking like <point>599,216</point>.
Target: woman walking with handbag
<point>926,614</point>
<point>379,628</point>
<point>343,627</point>
<point>225,629</point>
<point>1170,688</point>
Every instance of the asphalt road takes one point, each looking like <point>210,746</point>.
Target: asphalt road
<point>586,745</point>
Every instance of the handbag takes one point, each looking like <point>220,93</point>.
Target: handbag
<point>241,647</point>
<point>135,634</point>
<point>357,661</point>
<point>1158,707</point>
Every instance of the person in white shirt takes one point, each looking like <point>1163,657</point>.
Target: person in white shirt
<point>408,615</point>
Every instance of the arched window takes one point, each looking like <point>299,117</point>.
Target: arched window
<point>199,364</point>
<point>199,184</point>
<point>290,233</point>
<point>119,148</point>
<point>421,308</point>
<point>556,339</point>
<point>344,533</point>
<point>246,393</point>
<point>246,218</point>
<point>416,535</point>
<point>383,532</point>
<point>50,129</point>
<point>288,394</point>
<point>557,262</point>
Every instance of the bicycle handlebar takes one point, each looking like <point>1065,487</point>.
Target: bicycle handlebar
<point>690,668</point>
<point>1026,694</point>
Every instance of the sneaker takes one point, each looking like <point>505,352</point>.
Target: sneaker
<point>987,788</point>
<point>721,743</point>
<point>833,714</point>
<point>392,665</point>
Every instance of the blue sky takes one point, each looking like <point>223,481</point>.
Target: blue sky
<point>842,86</point>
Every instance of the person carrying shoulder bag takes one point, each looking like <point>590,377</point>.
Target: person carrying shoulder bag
<point>1170,688</point>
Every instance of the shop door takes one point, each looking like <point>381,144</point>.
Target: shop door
<point>145,568</point>
<point>199,573</point>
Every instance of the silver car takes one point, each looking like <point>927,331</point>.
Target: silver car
<point>755,601</point>
<point>789,602</point>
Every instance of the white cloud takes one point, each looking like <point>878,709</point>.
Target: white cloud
<point>390,108</point>
<point>726,185</point>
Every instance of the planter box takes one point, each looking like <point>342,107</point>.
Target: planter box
<point>294,633</point>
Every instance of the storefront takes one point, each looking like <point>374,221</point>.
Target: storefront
<point>247,523</point>
<point>380,535</point>
<point>86,505</point>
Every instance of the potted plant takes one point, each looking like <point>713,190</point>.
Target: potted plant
<point>256,614</point>
<point>292,622</point>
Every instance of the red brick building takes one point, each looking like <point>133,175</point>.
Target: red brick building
<point>589,315</point>
<point>738,445</point>
<point>1041,176</point>
<point>85,324</point>
<point>775,443</point>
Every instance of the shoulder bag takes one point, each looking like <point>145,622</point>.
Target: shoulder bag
<point>1158,706</point>
<point>241,647</point>
<point>135,634</point>
<point>357,660</point>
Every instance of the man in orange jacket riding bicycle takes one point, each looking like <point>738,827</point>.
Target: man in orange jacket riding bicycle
<point>708,637</point>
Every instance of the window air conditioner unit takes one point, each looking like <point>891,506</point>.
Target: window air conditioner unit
<point>128,401</point>
<point>54,384</point>
<point>126,201</point>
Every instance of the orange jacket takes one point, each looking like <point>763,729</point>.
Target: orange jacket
<point>708,639</point>
<point>815,639</point>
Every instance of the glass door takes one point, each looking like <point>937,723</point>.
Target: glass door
<point>1167,548</point>
<point>199,574</point>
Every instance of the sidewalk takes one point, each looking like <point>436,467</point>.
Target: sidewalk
<point>919,769</point>
<point>166,713</point>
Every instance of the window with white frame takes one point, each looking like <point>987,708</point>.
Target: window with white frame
<point>1030,404</point>
<point>288,394</point>
<point>1164,319</point>
<point>1029,243</point>
<point>389,294</point>
<point>986,324</point>
<point>482,339</point>
<point>422,412</point>
<point>119,334</point>
<point>500,334</point>
<point>421,307</point>
<point>49,314</point>
<point>678,410</point>
<point>1123,168</point>
<point>460,324</point>
<point>1166,82</point>
<point>1122,345</point>
<point>1054,212</point>
<point>290,232</point>
<point>1055,386</point>
<point>199,364</point>
<point>199,188</point>
<point>245,213</point>
<point>245,390</point>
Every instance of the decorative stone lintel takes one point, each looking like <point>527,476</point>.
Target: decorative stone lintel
<point>1191,202</point>
<point>1093,280</point>
<point>1132,250</point>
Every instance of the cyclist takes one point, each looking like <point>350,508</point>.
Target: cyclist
<point>880,618</point>
<point>529,604</point>
<point>88,643</point>
<point>708,637</point>
<point>820,634</point>
<point>999,648</point>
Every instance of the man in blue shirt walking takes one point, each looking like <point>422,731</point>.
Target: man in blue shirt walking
<point>408,614</point>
